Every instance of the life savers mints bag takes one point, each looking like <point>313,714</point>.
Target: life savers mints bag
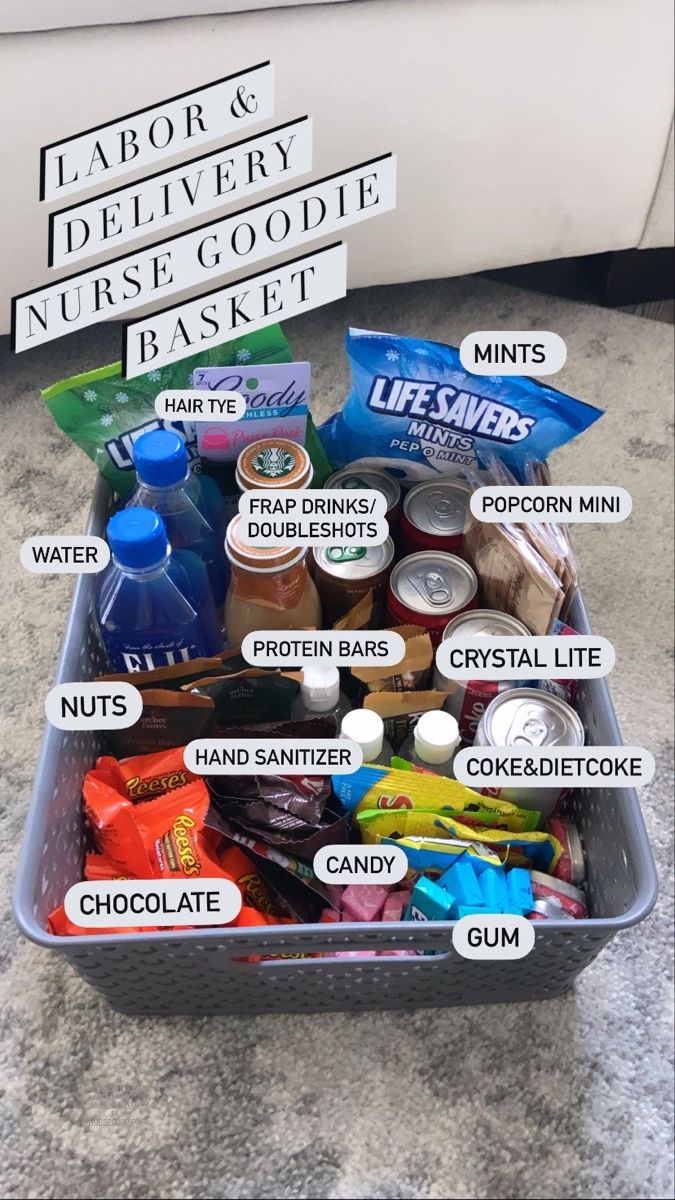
<point>104,413</point>
<point>419,412</point>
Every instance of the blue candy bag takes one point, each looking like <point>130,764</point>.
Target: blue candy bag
<point>416,411</point>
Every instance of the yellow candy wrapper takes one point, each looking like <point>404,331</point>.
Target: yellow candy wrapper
<point>389,789</point>
<point>536,851</point>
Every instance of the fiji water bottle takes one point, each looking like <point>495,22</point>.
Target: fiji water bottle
<point>154,605</point>
<point>190,505</point>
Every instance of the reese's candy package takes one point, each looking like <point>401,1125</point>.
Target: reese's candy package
<point>61,925</point>
<point>98,868</point>
<point>104,413</point>
<point>171,829</point>
<point>243,871</point>
<point>143,776</point>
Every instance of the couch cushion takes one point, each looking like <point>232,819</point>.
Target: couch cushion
<point>20,16</point>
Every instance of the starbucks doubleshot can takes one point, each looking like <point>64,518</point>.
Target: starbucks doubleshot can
<point>362,475</point>
<point>468,698</point>
<point>345,574</point>
<point>525,717</point>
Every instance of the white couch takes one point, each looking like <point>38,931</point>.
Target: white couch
<point>525,129</point>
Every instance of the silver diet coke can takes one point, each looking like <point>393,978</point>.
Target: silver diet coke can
<point>525,717</point>
<point>468,699</point>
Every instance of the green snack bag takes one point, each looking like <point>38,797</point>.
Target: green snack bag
<point>104,413</point>
<point>319,458</point>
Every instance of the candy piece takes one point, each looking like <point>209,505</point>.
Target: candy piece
<point>460,879</point>
<point>469,910</point>
<point>363,902</point>
<point>329,916</point>
<point>393,907</point>
<point>493,886</point>
<point>519,891</point>
<point>430,902</point>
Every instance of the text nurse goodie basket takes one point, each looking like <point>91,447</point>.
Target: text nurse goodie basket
<point>205,970</point>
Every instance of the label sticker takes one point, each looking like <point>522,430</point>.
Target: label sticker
<point>493,935</point>
<point>197,405</point>
<point>321,517</point>
<point>360,864</point>
<point>93,705</point>
<point>348,648</point>
<point>546,766</point>
<point>165,198</point>
<point>64,554</point>
<point>581,656</point>
<point>200,115</point>
<point>513,352</point>
<point>152,902</point>
<point>292,756</point>
<point>540,503</point>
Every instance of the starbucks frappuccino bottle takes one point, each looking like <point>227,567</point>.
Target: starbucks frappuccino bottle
<point>274,463</point>
<point>270,588</point>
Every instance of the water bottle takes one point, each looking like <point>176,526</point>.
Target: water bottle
<point>433,743</point>
<point>190,505</point>
<point>154,605</point>
<point>366,728</point>
<point>320,694</point>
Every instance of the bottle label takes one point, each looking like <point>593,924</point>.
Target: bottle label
<point>282,590</point>
<point>148,654</point>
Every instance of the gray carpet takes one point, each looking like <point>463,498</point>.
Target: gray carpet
<point>568,1098</point>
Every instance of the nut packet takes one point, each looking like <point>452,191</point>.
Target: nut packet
<point>168,720</point>
<point>180,674</point>
<point>104,413</point>
<point>249,696</point>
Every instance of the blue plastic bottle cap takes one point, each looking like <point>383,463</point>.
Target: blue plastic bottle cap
<point>137,537</point>
<point>160,458</point>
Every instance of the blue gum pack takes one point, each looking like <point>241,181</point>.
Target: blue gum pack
<point>419,412</point>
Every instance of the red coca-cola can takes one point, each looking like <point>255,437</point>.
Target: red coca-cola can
<point>428,589</point>
<point>571,866</point>
<point>468,698</point>
<point>545,887</point>
<point>434,516</point>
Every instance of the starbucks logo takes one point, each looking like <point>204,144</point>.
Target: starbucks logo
<point>340,554</point>
<point>273,462</point>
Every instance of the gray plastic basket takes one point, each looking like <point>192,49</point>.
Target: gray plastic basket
<point>201,972</point>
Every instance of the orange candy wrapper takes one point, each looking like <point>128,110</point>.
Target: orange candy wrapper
<point>147,818</point>
<point>145,776</point>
